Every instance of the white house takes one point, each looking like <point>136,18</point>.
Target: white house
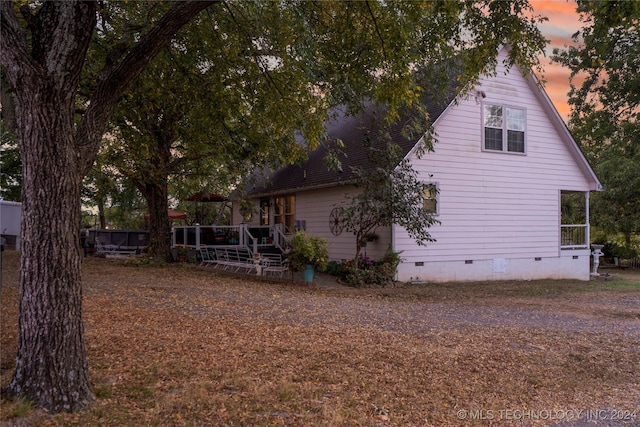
<point>503,160</point>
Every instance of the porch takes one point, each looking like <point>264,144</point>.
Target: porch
<point>574,220</point>
<point>574,236</point>
<point>255,238</point>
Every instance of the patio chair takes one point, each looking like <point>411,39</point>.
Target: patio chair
<point>273,263</point>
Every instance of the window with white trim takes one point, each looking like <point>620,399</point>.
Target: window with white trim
<point>504,128</point>
<point>430,198</point>
<point>284,212</point>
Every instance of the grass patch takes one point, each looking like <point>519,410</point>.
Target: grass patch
<point>615,285</point>
<point>102,392</point>
<point>15,408</point>
<point>621,280</point>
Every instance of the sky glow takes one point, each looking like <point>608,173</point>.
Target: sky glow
<point>563,23</point>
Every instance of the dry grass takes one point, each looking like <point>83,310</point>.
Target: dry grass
<point>185,346</point>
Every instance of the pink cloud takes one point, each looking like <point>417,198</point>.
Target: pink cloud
<point>562,24</point>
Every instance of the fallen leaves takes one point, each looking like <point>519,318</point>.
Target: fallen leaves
<point>174,345</point>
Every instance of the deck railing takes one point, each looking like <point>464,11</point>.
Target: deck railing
<point>211,236</point>
<point>574,236</point>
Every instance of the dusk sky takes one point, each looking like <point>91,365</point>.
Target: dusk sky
<point>563,22</point>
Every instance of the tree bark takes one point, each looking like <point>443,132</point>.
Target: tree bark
<point>155,194</point>
<point>154,184</point>
<point>51,363</point>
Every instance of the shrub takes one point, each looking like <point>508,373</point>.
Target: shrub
<point>370,272</point>
<point>612,249</point>
<point>307,250</point>
<point>336,268</point>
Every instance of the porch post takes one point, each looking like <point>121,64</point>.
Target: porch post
<point>197,237</point>
<point>587,235</point>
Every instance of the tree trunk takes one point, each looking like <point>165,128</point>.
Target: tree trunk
<point>101,217</point>
<point>154,186</point>
<point>156,196</point>
<point>51,364</point>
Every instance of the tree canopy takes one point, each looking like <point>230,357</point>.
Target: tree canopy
<point>239,85</point>
<point>605,101</point>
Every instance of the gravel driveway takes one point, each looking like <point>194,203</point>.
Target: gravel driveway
<point>331,307</point>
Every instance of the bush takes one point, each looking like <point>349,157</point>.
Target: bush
<point>367,272</point>
<point>307,250</point>
<point>612,249</point>
<point>336,268</point>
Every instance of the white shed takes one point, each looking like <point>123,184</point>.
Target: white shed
<point>10,217</point>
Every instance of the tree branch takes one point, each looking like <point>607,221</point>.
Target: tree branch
<point>14,55</point>
<point>375,23</point>
<point>115,82</point>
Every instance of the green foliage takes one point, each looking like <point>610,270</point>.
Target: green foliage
<point>307,250</point>
<point>10,166</point>
<point>366,272</point>
<point>390,192</point>
<point>336,268</point>
<point>605,100</point>
<point>572,208</point>
<point>145,261</point>
<point>613,249</point>
<point>241,81</point>
<point>114,198</point>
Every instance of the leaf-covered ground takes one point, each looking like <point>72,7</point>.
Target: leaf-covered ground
<point>184,345</point>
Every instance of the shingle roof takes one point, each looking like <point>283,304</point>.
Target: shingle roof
<point>353,131</point>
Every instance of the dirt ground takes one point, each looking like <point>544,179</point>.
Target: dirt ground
<point>186,345</point>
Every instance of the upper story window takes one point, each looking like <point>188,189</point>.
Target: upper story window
<point>504,128</point>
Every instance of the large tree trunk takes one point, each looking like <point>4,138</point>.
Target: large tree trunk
<point>154,188</point>
<point>51,364</point>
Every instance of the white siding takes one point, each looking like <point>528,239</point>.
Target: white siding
<point>315,207</point>
<point>494,205</point>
